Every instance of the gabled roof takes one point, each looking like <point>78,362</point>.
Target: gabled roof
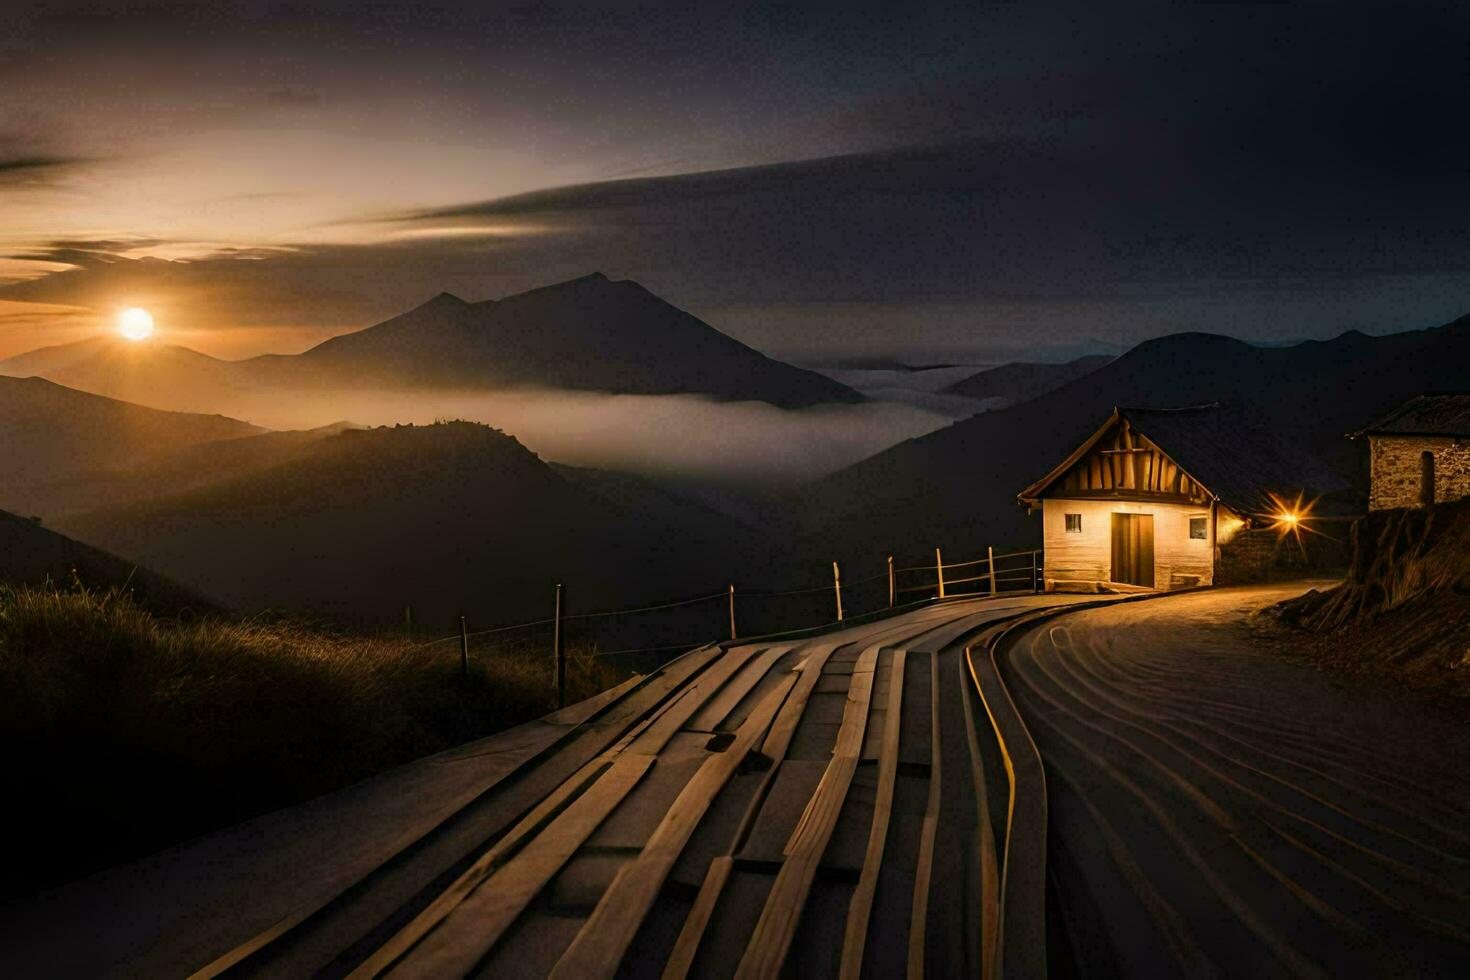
<point>1426,415</point>
<point>1235,457</point>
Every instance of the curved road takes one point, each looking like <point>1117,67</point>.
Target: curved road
<point>841,805</point>
<point>1218,810</point>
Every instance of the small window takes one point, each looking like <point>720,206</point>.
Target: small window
<point>1199,529</point>
<point>1074,523</point>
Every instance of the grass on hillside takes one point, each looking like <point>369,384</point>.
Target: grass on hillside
<point>127,731</point>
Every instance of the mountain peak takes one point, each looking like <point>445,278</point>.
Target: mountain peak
<point>444,299</point>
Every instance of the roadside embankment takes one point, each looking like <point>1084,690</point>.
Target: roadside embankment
<point>1404,609</point>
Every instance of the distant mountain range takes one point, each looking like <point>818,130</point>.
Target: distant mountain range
<point>1025,380</point>
<point>459,517</point>
<point>586,334</point>
<point>957,486</point>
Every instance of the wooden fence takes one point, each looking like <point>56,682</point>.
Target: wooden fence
<point>908,587</point>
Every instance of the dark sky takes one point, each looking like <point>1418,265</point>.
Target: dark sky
<point>979,179</point>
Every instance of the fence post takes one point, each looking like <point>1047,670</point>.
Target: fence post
<point>464,649</point>
<point>1035,582</point>
<point>890,581</point>
<point>732,610</point>
<point>990,558</point>
<point>559,652</point>
<point>939,571</point>
<point>408,621</point>
<point>837,589</point>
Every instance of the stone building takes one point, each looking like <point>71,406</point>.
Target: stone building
<point>1159,498</point>
<point>1419,454</point>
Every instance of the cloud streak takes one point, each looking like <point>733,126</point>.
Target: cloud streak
<point>972,180</point>
<point>31,171</point>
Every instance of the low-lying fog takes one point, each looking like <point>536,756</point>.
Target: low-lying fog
<point>654,434</point>
<point>922,387</point>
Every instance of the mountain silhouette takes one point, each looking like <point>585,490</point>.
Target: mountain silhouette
<point>50,433</point>
<point>453,518</point>
<point>586,334</point>
<point>589,333</point>
<point>1024,380</point>
<point>165,472</point>
<point>147,373</point>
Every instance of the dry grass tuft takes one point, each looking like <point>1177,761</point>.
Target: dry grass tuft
<point>131,731</point>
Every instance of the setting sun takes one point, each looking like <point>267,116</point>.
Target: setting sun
<point>135,323</point>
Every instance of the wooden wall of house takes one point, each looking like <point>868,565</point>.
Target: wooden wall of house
<point>1179,560</point>
<point>1125,460</point>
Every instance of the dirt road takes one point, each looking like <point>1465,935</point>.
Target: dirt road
<point>1218,810</point>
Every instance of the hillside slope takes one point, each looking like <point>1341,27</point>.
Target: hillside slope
<point>1025,380</point>
<point>149,373</point>
<point>160,474</point>
<point>49,432</point>
<point>34,555</point>
<point>1405,606</point>
<point>957,486</point>
<point>449,518</point>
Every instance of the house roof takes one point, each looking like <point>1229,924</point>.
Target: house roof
<point>1236,457</point>
<point>1426,415</point>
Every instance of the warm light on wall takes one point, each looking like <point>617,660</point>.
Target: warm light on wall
<point>1226,528</point>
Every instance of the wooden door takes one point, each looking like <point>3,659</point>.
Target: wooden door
<point>1133,549</point>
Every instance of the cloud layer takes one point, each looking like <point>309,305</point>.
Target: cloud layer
<point>975,178</point>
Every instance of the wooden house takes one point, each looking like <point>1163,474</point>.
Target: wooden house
<point>1419,454</point>
<point>1151,498</point>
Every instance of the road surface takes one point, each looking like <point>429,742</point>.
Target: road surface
<point>1218,810</point>
<point>715,818</point>
<point>864,803</point>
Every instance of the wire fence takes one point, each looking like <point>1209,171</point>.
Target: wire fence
<point>1009,572</point>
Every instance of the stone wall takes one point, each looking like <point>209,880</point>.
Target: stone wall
<point>1396,466</point>
<point>1263,554</point>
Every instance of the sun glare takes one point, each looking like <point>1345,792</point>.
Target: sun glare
<point>135,323</point>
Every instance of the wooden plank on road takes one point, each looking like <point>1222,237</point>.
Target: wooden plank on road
<point>687,945</point>
<point>809,672</point>
<point>861,906</point>
<point>985,843</point>
<point>765,954</point>
<point>572,750</point>
<point>603,941</point>
<point>924,872</point>
<point>469,931</point>
<point>477,873</point>
<point>718,708</point>
<point>1020,945</point>
<point>652,741</point>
